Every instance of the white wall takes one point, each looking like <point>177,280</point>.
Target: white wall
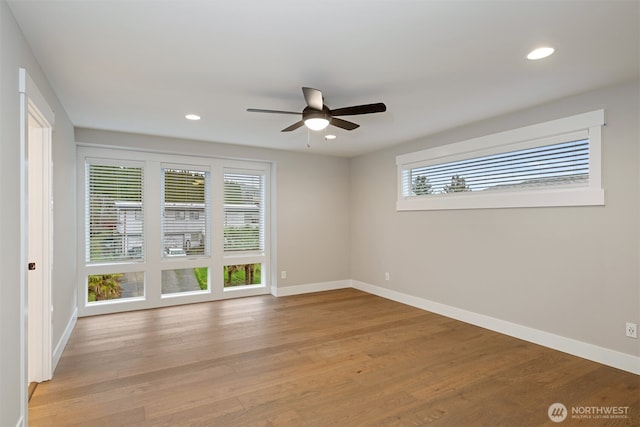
<point>312,199</point>
<point>14,54</point>
<point>571,272</point>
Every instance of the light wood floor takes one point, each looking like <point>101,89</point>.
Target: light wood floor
<point>338,358</point>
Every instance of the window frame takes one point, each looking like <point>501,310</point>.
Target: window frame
<point>258,256</point>
<point>153,262</point>
<point>587,125</point>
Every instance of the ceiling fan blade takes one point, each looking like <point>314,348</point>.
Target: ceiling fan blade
<point>293,126</point>
<point>258,110</point>
<point>313,98</point>
<point>344,124</point>
<point>360,109</point>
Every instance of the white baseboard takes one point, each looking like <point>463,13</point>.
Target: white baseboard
<point>616,359</point>
<point>57,352</point>
<point>311,287</point>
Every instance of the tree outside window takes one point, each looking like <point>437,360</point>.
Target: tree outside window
<point>421,186</point>
<point>458,185</point>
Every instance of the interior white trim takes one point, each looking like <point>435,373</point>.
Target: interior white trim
<point>64,339</point>
<point>540,130</point>
<point>24,255</point>
<point>498,200</point>
<point>26,85</point>
<point>283,291</point>
<point>605,356</point>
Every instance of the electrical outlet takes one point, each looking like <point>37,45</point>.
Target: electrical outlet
<point>386,276</point>
<point>632,330</point>
<point>283,274</point>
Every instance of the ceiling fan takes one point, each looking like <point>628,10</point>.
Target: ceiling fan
<point>317,116</point>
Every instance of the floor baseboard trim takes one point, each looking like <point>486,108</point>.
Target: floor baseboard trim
<point>31,389</point>
<point>613,358</point>
<point>62,343</point>
<point>311,287</point>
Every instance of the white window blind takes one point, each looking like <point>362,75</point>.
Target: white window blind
<point>554,163</point>
<point>114,214</point>
<point>558,164</point>
<point>244,219</point>
<point>186,209</point>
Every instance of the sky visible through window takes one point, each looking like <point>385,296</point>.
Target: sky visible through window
<point>557,164</point>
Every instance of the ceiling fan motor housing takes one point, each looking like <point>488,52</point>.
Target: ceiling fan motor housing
<point>312,113</point>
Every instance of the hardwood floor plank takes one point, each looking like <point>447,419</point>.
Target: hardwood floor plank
<point>337,358</point>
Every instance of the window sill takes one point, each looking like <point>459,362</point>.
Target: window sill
<point>499,200</point>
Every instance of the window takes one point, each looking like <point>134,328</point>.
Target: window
<point>163,229</point>
<point>114,286</point>
<point>114,217</point>
<point>242,275</point>
<point>550,164</point>
<point>244,228</point>
<point>185,280</point>
<point>185,196</point>
<point>565,163</point>
<point>243,213</point>
<point>114,230</point>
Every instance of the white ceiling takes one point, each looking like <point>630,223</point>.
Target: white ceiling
<point>141,65</point>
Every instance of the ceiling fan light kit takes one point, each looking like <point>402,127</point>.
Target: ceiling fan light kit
<point>315,119</point>
<point>317,116</point>
<point>316,123</point>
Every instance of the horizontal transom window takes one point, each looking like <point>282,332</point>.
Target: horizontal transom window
<point>566,163</point>
<point>550,164</point>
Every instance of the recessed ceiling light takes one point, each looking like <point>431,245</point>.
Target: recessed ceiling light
<point>329,137</point>
<point>192,117</point>
<point>539,53</point>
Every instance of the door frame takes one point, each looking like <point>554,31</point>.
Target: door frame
<point>38,315</point>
